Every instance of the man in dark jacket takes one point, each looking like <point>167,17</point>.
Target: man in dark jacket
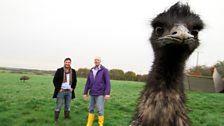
<point>98,87</point>
<point>64,83</point>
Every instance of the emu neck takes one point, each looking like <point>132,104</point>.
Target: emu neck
<point>168,66</point>
<point>168,69</point>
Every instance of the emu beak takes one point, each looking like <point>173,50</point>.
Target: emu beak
<point>180,32</point>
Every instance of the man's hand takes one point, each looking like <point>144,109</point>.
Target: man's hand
<point>107,97</point>
<point>71,89</point>
<point>85,97</point>
<point>61,90</point>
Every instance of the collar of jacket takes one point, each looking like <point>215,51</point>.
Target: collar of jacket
<point>101,68</point>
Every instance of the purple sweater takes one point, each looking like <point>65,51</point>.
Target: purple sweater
<point>100,85</point>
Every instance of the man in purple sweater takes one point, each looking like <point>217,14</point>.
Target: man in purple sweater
<point>98,88</point>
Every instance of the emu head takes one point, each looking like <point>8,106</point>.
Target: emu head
<point>175,31</point>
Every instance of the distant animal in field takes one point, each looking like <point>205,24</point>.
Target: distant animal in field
<point>24,78</point>
<point>174,38</point>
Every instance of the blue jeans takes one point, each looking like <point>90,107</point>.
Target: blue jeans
<point>66,96</point>
<point>97,101</point>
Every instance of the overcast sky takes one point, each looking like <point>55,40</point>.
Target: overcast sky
<point>39,34</point>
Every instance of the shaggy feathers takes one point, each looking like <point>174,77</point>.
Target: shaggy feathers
<point>162,101</point>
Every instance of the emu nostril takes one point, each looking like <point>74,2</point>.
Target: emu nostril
<point>174,33</point>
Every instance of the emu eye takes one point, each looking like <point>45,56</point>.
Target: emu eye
<point>195,32</point>
<point>159,30</point>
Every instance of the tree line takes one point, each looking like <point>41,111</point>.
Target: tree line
<point>116,74</point>
<point>203,70</point>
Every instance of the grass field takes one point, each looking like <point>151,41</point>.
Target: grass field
<point>31,103</point>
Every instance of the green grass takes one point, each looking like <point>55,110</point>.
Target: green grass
<point>31,103</point>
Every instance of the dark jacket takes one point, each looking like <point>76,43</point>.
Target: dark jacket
<point>100,85</point>
<point>58,79</point>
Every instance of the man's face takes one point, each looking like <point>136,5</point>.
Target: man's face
<point>97,61</point>
<point>67,63</point>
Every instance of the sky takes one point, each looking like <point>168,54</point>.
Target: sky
<point>40,34</point>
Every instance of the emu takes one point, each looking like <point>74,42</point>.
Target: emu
<point>174,38</point>
<point>23,78</point>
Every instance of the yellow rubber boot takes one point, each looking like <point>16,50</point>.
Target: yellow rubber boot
<point>90,119</point>
<point>100,120</point>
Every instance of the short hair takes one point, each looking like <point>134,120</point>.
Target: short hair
<point>67,59</point>
<point>97,57</point>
